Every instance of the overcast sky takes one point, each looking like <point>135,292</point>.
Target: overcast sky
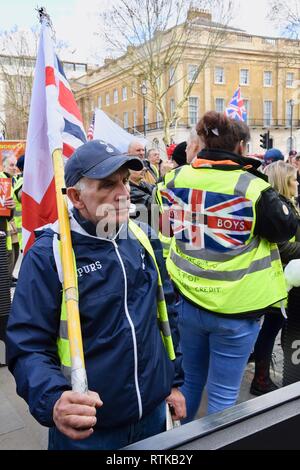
<point>75,21</point>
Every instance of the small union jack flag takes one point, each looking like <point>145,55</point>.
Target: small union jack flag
<point>90,132</point>
<point>203,219</point>
<point>236,109</point>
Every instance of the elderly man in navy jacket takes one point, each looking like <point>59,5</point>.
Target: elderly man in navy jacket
<point>129,372</point>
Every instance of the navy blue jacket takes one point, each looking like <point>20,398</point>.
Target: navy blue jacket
<point>129,384</point>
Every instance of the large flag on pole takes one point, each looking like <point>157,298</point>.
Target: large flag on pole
<point>236,109</point>
<point>54,123</point>
<point>109,131</point>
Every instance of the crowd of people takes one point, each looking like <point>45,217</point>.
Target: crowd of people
<point>180,279</point>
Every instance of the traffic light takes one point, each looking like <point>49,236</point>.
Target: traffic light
<point>265,140</point>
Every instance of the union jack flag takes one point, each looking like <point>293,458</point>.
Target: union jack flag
<point>204,219</point>
<point>90,132</point>
<point>236,109</point>
<point>54,123</point>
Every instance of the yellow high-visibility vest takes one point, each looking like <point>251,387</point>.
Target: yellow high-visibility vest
<point>18,209</point>
<point>234,281</point>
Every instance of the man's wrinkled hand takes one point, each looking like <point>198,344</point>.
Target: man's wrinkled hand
<point>176,401</point>
<point>74,414</point>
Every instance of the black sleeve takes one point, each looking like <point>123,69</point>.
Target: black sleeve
<point>276,221</point>
<point>290,250</point>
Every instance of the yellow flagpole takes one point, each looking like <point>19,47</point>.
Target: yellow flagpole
<point>79,378</point>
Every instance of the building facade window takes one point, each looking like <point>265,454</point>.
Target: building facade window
<point>134,119</point>
<point>132,90</point>
<point>268,111</point>
<point>124,93</point>
<point>219,75</point>
<point>99,102</point>
<point>171,76</point>
<point>125,120</point>
<point>244,77</point>
<point>220,105</point>
<point>107,99</point>
<point>116,96</point>
<point>192,71</point>
<point>193,110</point>
<point>268,78</point>
<point>289,80</point>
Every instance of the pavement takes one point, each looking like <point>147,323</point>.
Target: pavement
<point>20,431</point>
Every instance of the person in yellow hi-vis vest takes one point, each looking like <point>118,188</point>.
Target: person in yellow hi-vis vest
<point>18,186</point>
<point>128,317</point>
<point>223,259</point>
<point>9,169</point>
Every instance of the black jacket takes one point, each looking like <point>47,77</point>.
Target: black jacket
<point>290,250</point>
<point>141,197</point>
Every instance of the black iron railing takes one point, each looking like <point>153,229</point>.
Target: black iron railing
<point>262,123</point>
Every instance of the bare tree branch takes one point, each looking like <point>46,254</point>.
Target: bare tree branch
<point>150,39</point>
<point>286,15</point>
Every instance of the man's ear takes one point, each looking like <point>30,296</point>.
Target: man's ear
<point>75,197</point>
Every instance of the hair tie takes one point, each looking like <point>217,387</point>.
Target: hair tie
<point>215,131</point>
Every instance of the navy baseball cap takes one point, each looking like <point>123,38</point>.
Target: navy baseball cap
<point>274,155</point>
<point>97,160</point>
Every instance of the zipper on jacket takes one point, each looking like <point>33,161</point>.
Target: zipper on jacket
<point>132,332</point>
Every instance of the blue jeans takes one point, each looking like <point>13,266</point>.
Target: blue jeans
<point>215,352</point>
<point>114,438</point>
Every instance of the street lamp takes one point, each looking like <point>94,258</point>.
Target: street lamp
<point>144,93</point>
<point>292,104</point>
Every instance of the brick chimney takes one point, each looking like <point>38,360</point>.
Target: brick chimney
<point>196,13</point>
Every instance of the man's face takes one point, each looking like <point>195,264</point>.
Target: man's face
<point>105,200</point>
<point>11,166</point>
<point>154,157</point>
<point>137,176</point>
<point>138,150</point>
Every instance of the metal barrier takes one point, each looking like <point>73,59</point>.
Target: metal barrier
<point>4,295</point>
<point>268,422</point>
